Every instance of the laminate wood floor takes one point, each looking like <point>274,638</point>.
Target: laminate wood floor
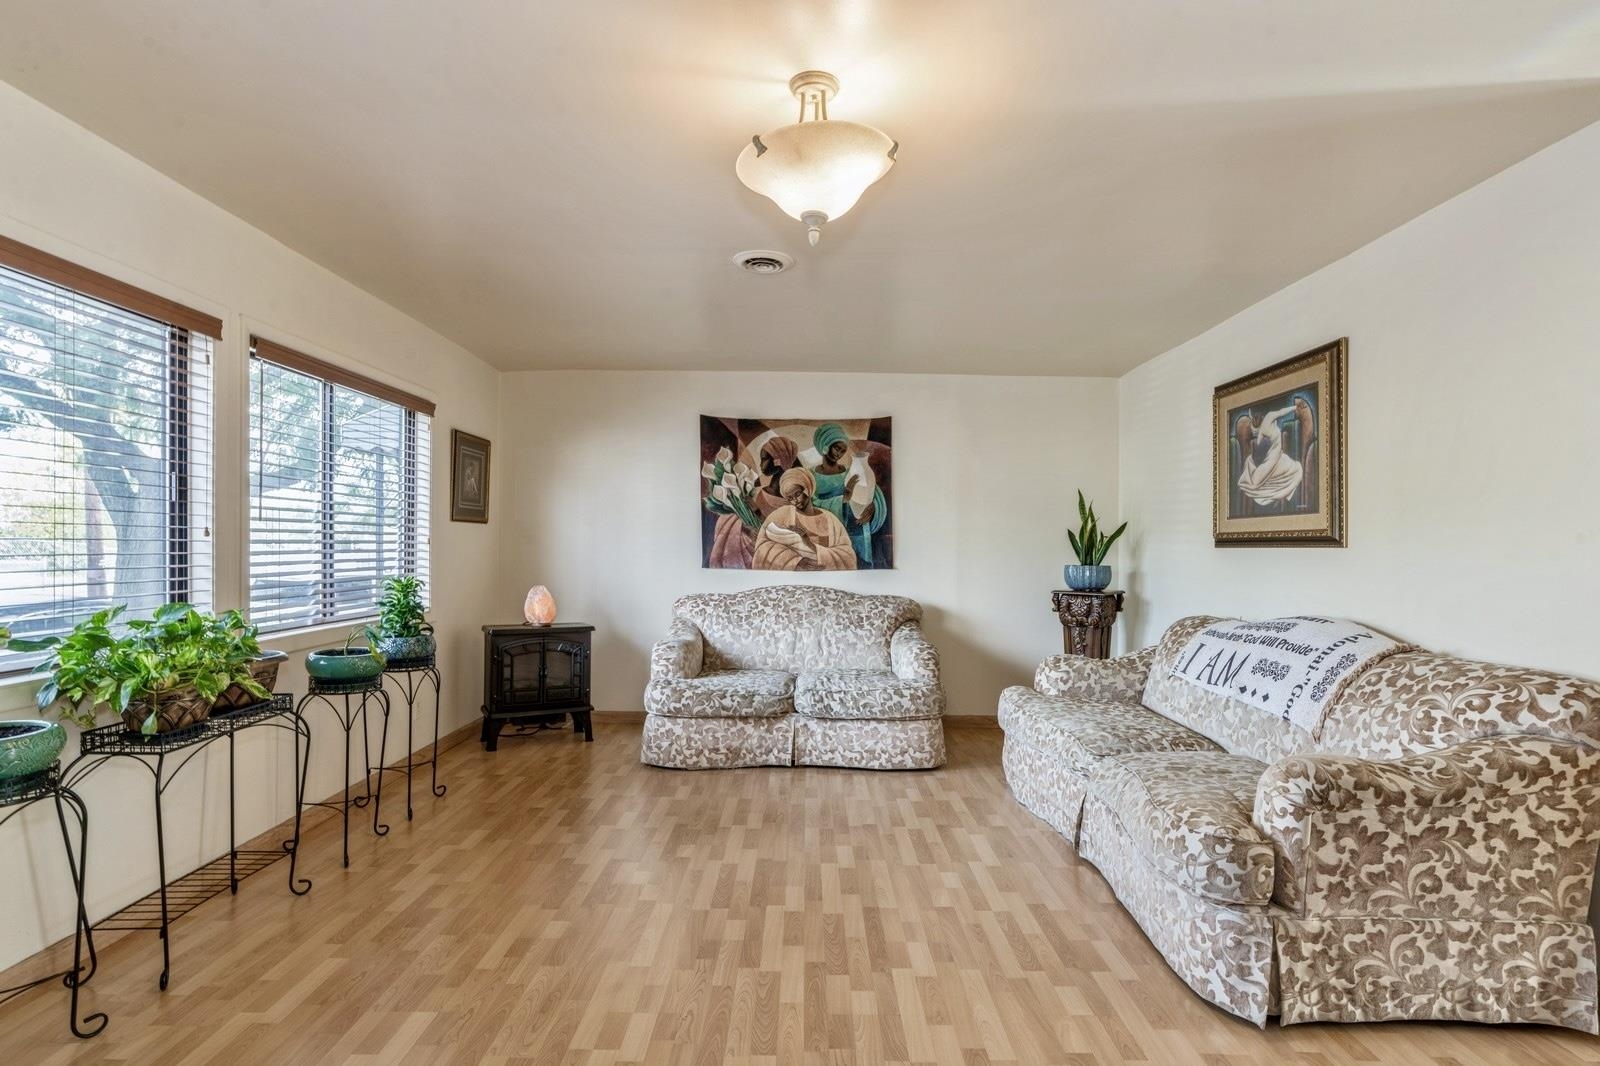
<point>564,904</point>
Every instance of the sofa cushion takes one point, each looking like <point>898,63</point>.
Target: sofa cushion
<point>722,694</point>
<point>796,627</point>
<point>1082,731</point>
<point>860,694</point>
<point>1189,815</point>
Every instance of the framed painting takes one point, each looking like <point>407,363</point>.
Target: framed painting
<point>469,477</point>
<point>1278,461</point>
<point>796,494</point>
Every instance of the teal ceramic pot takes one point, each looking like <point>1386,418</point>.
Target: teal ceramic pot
<point>1087,578</point>
<point>420,646</point>
<point>343,665</point>
<point>28,746</point>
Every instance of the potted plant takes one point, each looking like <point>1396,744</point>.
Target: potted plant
<point>348,665</point>
<point>401,632</point>
<point>27,745</point>
<point>237,640</point>
<point>160,673</point>
<point>1090,545</point>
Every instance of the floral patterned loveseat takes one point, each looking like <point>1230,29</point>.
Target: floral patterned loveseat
<point>1428,855</point>
<point>794,675</point>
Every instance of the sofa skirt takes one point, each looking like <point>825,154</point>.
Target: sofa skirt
<point>1044,785</point>
<point>916,744</point>
<point>717,743</point>
<point>792,740</point>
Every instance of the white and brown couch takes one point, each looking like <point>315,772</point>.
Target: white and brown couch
<point>794,675</point>
<point>1429,854</point>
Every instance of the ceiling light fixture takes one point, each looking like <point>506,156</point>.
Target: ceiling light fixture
<point>816,169</point>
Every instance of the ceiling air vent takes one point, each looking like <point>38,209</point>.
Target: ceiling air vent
<point>762,261</point>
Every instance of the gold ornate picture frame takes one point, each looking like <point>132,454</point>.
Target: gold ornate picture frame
<point>1278,453</point>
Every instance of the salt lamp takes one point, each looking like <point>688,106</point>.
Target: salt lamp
<point>539,608</point>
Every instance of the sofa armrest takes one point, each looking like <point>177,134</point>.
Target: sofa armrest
<point>679,656</point>
<point>911,656</point>
<point>1497,828</point>
<point>1121,678</point>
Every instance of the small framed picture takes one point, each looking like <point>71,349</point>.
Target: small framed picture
<point>469,477</point>
<point>1278,463</point>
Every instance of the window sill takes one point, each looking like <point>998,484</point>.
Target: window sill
<point>313,637</point>
<point>16,695</point>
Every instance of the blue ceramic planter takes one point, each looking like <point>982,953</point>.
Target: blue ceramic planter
<point>28,746</point>
<point>1082,578</point>
<point>406,649</point>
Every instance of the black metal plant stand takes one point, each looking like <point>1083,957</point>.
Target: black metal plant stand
<point>24,792</point>
<point>411,675</point>
<point>337,695</point>
<point>172,900</point>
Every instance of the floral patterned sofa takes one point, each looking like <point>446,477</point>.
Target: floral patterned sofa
<point>794,675</point>
<point>1428,855</point>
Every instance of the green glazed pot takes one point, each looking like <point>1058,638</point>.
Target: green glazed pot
<point>343,665</point>
<point>28,745</point>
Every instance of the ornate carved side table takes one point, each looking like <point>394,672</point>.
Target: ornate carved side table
<point>1086,620</point>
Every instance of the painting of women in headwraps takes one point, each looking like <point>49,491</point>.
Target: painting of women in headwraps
<point>1279,462</point>
<point>847,490</point>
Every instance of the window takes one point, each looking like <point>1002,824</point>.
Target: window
<point>105,442</point>
<point>339,471</point>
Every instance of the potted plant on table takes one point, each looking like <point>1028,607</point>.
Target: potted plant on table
<point>350,664</point>
<point>236,640</point>
<point>27,745</point>
<point>1090,545</point>
<point>402,633</point>
<point>160,673</point>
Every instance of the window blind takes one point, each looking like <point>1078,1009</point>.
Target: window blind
<point>339,493</point>
<point>105,445</point>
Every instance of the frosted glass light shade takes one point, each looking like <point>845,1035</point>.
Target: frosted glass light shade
<point>539,607</point>
<point>822,166</point>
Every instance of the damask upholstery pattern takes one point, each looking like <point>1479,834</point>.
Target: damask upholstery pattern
<point>1357,969</point>
<point>681,654</point>
<point>1491,828</point>
<point>1428,854</point>
<point>1081,732</point>
<point>1121,678</point>
<point>851,676</point>
<point>912,656</point>
<point>717,743</point>
<point>796,627</point>
<point>866,694</point>
<point>1188,814</point>
<point>1417,701</point>
<point>1222,951</point>
<point>722,694</point>
<point>865,745</point>
<point>1042,783</point>
<point>1072,736</point>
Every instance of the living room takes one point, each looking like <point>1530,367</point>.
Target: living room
<point>462,295</point>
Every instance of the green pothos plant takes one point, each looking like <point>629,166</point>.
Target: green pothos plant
<point>106,661</point>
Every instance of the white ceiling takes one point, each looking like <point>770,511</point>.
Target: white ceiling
<point>1080,186</point>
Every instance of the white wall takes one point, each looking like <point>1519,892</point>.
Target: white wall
<point>603,507</point>
<point>66,191</point>
<point>1474,393</point>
